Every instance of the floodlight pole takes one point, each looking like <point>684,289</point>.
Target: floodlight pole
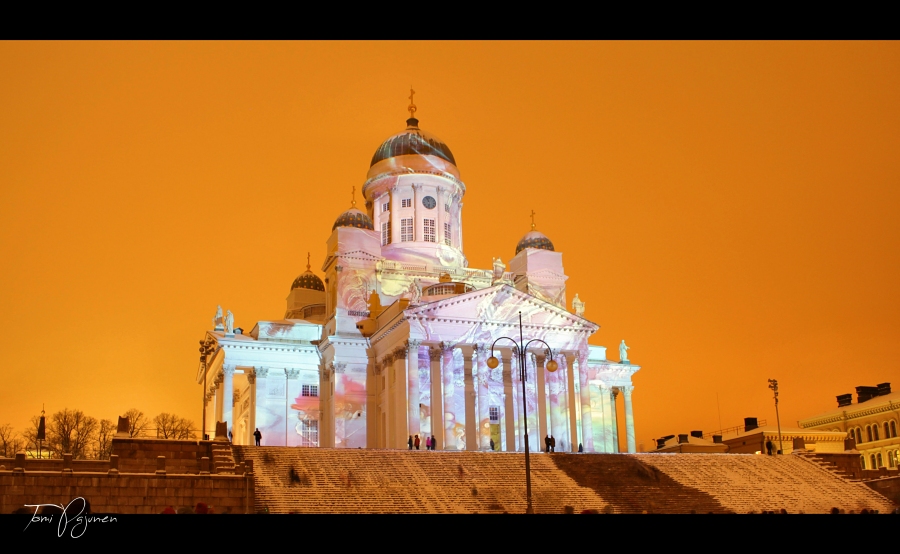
<point>521,347</point>
<point>773,384</point>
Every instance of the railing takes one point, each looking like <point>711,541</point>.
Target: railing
<point>442,289</point>
<point>733,430</point>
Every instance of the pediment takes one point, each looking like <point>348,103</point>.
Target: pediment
<point>500,304</point>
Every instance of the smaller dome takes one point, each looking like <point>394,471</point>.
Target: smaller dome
<point>534,239</point>
<point>308,280</point>
<point>353,218</point>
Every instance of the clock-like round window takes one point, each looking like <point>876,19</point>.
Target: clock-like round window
<point>429,202</point>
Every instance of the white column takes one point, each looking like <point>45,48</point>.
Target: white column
<point>570,393</point>
<point>615,419</point>
<point>471,400</point>
<point>482,377</point>
<point>629,419</point>
<point>608,420</point>
<point>599,421</point>
<point>292,390</point>
<point>437,397</point>
<point>251,378</point>
<point>450,407</point>
<point>541,392</point>
<point>509,397</point>
<point>228,397</point>
<point>587,432</point>
<point>413,396</point>
<point>261,374</point>
<point>219,400</point>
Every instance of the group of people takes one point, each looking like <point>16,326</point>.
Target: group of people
<point>416,442</point>
<point>549,444</point>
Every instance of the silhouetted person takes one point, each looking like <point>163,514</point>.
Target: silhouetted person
<point>552,444</point>
<point>433,443</point>
<point>416,442</point>
<point>410,442</point>
<point>580,448</point>
<point>547,443</point>
<point>492,445</point>
<point>769,447</point>
<point>258,436</point>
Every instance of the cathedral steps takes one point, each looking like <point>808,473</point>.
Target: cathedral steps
<point>320,480</point>
<point>223,459</point>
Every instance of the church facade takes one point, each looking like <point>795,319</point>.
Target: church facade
<point>394,342</point>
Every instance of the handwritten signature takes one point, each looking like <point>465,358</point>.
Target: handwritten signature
<point>80,519</point>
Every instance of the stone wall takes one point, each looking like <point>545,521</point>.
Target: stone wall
<point>142,476</point>
<point>126,493</point>
<point>888,487</point>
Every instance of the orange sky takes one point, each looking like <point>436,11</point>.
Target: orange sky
<point>730,209</point>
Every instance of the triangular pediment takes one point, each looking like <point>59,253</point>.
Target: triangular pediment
<point>500,304</point>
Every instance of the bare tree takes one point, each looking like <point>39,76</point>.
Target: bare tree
<point>170,426</point>
<point>105,432</point>
<point>71,431</point>
<point>10,441</point>
<point>137,422</point>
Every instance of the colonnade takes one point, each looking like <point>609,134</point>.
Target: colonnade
<point>447,391</point>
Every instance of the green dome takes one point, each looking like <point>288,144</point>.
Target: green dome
<point>353,218</point>
<point>534,239</point>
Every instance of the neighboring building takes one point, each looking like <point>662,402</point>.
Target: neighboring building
<point>394,341</point>
<point>692,443</point>
<point>872,422</point>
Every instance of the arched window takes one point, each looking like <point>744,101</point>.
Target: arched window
<point>862,462</point>
<point>872,462</point>
<point>875,432</point>
<point>887,430</point>
<point>878,460</point>
<point>858,435</point>
<point>892,458</point>
<point>868,433</point>
<point>893,428</point>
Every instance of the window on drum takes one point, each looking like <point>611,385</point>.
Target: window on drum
<point>447,234</point>
<point>429,231</point>
<point>406,203</point>
<point>386,207</point>
<point>385,233</point>
<point>406,230</point>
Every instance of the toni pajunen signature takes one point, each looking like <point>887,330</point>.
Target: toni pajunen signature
<point>72,513</point>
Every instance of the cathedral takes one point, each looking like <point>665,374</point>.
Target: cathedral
<point>402,338</point>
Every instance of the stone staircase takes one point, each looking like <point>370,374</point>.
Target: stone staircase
<point>321,480</point>
<point>745,482</point>
<point>223,458</point>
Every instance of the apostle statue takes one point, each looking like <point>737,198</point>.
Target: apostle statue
<point>499,268</point>
<point>578,306</point>
<point>623,354</point>
<point>217,321</point>
<point>415,292</point>
<point>229,323</point>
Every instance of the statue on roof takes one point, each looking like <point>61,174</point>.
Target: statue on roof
<point>578,306</point>
<point>229,323</point>
<point>623,354</point>
<point>415,292</point>
<point>217,321</point>
<point>499,269</point>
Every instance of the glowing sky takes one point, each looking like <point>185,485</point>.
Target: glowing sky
<point>730,209</point>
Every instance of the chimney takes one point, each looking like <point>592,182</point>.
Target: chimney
<point>865,393</point>
<point>750,423</point>
<point>884,388</point>
<point>845,400</point>
<point>697,434</point>
<point>682,439</point>
<point>717,439</point>
<point>660,443</point>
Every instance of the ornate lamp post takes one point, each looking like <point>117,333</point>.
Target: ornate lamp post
<point>773,384</point>
<point>520,349</point>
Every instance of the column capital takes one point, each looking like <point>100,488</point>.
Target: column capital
<point>627,390</point>
<point>262,372</point>
<point>228,370</point>
<point>434,353</point>
<point>251,376</point>
<point>413,343</point>
<point>292,373</point>
<point>339,367</point>
<point>447,346</point>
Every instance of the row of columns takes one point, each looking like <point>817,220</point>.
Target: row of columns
<point>405,388</point>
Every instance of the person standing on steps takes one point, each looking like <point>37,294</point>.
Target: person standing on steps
<point>258,436</point>
<point>427,443</point>
<point>433,443</point>
<point>416,442</point>
<point>410,442</point>
<point>492,445</point>
<point>552,444</point>
<point>547,443</point>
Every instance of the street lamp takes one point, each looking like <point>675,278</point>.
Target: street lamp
<point>552,366</point>
<point>773,384</point>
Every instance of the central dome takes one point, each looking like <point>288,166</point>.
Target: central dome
<point>413,141</point>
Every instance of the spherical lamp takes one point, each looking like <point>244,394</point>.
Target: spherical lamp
<point>552,366</point>
<point>493,362</point>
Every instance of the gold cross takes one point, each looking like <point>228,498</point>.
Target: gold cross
<point>532,220</point>
<point>412,106</point>
<point>308,267</point>
<point>353,195</point>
